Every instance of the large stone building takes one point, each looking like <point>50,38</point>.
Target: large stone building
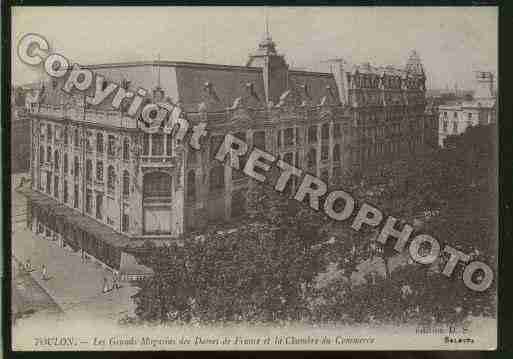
<point>455,117</point>
<point>100,183</point>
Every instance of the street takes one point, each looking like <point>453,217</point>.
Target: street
<point>73,285</point>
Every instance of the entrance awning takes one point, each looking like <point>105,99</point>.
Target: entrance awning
<point>100,231</point>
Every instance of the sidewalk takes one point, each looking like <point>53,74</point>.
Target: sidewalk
<point>74,285</point>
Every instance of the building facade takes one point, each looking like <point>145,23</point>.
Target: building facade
<point>101,184</point>
<point>456,117</point>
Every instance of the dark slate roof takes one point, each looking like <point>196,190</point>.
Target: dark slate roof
<point>196,83</point>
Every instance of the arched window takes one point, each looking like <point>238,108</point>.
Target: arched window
<point>336,153</point>
<point>157,184</point>
<point>48,154</point>
<point>65,163</point>
<point>111,178</point>
<point>216,179</point>
<point>191,186</point>
<point>89,170</point>
<point>157,203</point>
<point>126,183</point>
<point>99,142</point>
<point>111,145</point>
<point>126,149</point>
<point>56,163</point>
<point>312,157</point>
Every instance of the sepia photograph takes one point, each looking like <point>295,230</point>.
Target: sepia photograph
<point>253,178</point>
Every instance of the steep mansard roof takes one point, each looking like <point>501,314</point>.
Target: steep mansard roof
<point>195,83</point>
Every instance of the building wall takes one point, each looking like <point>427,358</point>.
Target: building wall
<point>20,142</point>
<point>454,120</point>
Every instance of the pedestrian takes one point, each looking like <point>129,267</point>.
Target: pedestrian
<point>44,272</point>
<point>116,281</point>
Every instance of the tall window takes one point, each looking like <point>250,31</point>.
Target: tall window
<point>217,178</point>
<point>169,144</point>
<point>312,134</point>
<point>111,149</point>
<point>65,191</point>
<point>157,184</point>
<point>157,216</point>
<point>56,187</point>
<point>99,142</point>
<point>65,134</point>
<point>65,164</point>
<point>325,131</point>
<point>336,153</point>
<point>99,205</point>
<point>89,201</point>
<point>76,167</point>
<point>146,144</point>
<point>49,132</point>
<point>337,131</point>
<point>312,158</point>
<point>324,153</point>
<point>126,183</point>
<point>125,223</point>
<point>455,127</point>
<point>445,124</point>
<point>126,149</point>
<point>191,186</point>
<point>56,160</point>
<point>89,171</point>
<point>455,115</point>
<point>41,155</point>
<point>48,154</point>
<point>111,178</point>
<point>75,196</point>
<point>77,138</point>
<point>157,144</point>
<point>99,171</point>
<point>49,182</point>
<point>42,132</point>
<point>89,147</point>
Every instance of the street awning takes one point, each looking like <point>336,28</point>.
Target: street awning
<point>100,231</point>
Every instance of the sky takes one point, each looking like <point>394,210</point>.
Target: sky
<point>452,42</point>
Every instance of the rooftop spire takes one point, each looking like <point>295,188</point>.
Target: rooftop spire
<point>267,34</point>
<point>414,64</point>
<point>158,70</point>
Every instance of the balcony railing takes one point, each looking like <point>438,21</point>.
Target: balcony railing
<point>104,117</point>
<point>158,160</point>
